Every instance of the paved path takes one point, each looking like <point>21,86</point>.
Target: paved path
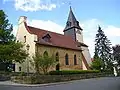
<point>108,83</point>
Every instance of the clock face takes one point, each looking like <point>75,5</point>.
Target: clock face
<point>78,31</point>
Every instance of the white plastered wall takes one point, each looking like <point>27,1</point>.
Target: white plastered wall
<point>30,38</point>
<point>79,37</point>
<point>86,54</point>
<point>83,66</point>
<point>85,51</point>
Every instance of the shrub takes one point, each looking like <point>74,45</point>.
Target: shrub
<point>43,63</point>
<point>69,72</point>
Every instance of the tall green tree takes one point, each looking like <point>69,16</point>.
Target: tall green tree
<point>5,29</point>
<point>10,51</point>
<point>103,49</point>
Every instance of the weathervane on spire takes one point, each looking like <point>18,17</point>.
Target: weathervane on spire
<point>70,3</point>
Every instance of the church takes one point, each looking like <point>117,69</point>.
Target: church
<point>72,52</point>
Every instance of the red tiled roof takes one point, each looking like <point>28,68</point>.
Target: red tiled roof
<point>81,44</point>
<point>56,39</point>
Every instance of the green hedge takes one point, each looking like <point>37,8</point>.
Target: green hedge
<point>69,72</point>
<point>55,78</point>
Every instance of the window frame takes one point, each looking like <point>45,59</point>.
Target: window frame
<point>66,59</point>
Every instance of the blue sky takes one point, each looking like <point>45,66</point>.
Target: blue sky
<point>52,15</point>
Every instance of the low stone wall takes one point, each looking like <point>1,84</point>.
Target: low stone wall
<point>4,78</point>
<point>54,78</point>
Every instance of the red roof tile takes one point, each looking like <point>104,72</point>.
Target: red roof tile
<point>56,39</point>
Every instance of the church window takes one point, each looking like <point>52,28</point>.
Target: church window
<point>75,60</point>
<point>66,59</point>
<point>45,53</point>
<point>57,59</point>
<point>19,68</point>
<point>46,38</point>
<point>24,38</point>
<point>78,31</point>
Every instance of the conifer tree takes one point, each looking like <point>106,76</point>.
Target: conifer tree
<point>103,49</point>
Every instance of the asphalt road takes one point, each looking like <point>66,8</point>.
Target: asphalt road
<point>108,83</point>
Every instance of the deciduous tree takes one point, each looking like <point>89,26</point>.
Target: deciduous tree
<point>10,51</point>
<point>44,63</point>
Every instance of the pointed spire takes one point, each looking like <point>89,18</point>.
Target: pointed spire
<point>70,8</point>
<point>72,21</point>
<point>71,16</point>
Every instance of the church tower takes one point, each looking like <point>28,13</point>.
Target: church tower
<point>73,28</point>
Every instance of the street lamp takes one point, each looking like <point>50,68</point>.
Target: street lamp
<point>101,69</point>
<point>28,47</point>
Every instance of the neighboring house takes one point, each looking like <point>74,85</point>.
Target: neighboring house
<point>70,49</point>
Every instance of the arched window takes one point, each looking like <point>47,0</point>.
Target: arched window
<point>45,53</point>
<point>75,60</point>
<point>68,23</point>
<point>66,59</point>
<point>57,59</point>
<point>57,56</point>
<point>19,68</point>
<point>24,39</point>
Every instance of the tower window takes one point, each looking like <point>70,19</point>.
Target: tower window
<point>68,23</point>
<point>78,31</point>
<point>24,38</point>
<point>77,23</point>
<point>75,60</point>
<point>66,59</point>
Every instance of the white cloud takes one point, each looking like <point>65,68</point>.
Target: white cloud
<point>33,5</point>
<point>47,25</point>
<point>112,31</point>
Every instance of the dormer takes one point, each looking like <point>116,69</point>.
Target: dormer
<point>46,37</point>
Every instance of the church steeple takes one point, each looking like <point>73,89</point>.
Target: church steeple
<point>72,22</point>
